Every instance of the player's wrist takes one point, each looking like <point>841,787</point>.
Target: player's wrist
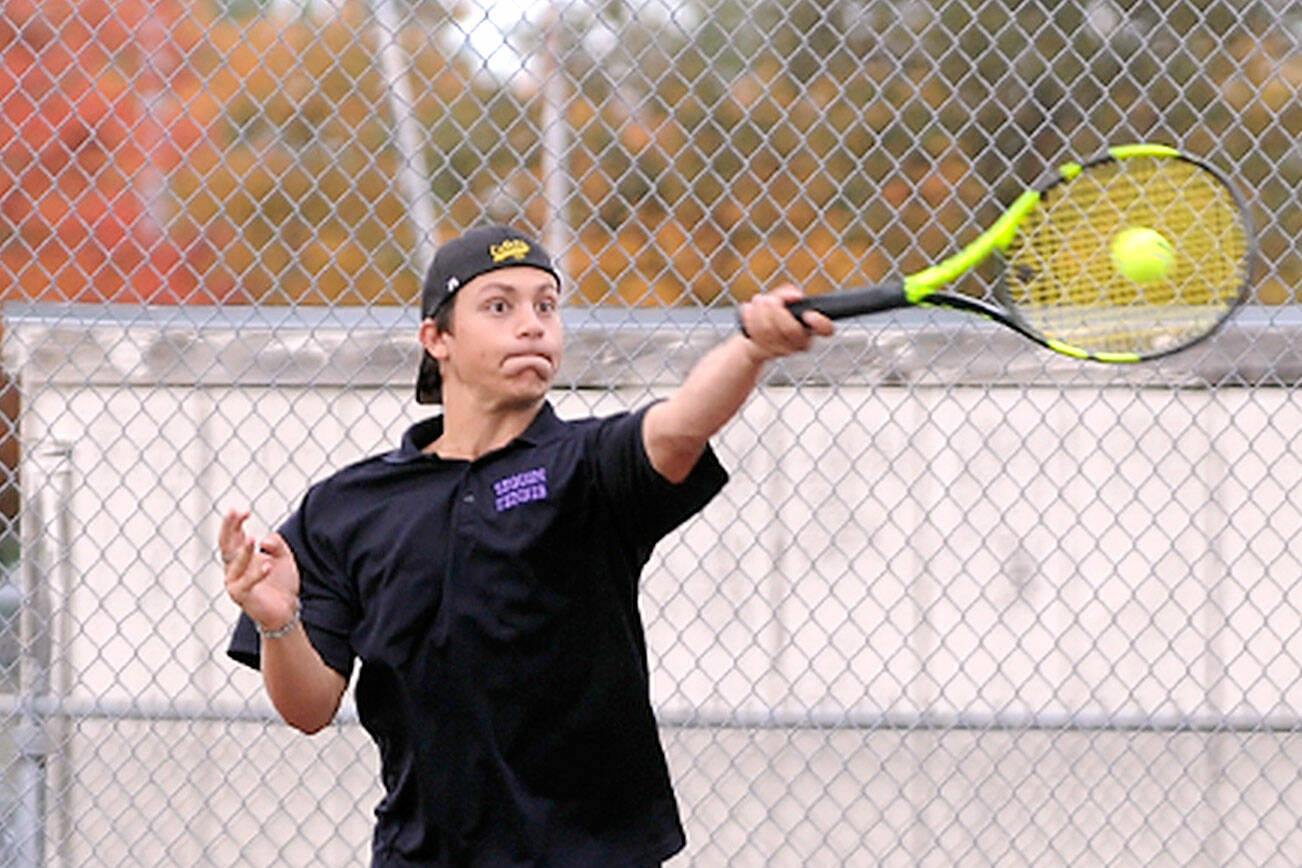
<point>755,353</point>
<point>295,618</point>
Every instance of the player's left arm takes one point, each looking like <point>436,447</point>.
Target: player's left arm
<point>676,431</point>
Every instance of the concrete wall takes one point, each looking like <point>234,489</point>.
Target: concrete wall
<point>916,599</point>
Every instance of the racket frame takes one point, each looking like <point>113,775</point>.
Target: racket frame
<point>925,288</point>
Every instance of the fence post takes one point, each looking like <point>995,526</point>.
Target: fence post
<point>413,178</point>
<point>41,730</point>
<point>31,742</point>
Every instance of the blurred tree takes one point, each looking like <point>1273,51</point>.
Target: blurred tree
<point>92,127</point>
<point>711,148</point>
<point>92,122</point>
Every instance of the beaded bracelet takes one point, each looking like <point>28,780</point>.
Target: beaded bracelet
<point>281,632</point>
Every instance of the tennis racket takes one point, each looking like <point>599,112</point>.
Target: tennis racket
<point>1068,283</point>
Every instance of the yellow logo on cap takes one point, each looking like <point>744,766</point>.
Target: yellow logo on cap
<point>512,248</point>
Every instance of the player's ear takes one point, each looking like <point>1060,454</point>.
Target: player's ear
<point>433,340</point>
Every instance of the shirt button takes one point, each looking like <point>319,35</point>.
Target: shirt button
<point>469,498</point>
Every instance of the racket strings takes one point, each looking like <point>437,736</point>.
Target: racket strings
<point>1062,278</point>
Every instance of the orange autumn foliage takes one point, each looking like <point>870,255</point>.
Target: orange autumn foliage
<point>85,159</point>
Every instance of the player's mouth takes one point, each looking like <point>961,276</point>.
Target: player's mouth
<point>530,359</point>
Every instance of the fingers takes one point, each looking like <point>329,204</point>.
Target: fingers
<point>818,323</point>
<point>774,330</point>
<point>769,323</point>
<point>274,545</point>
<point>260,575</point>
<point>786,293</point>
<point>282,568</point>
<point>244,571</point>
<point>231,536</point>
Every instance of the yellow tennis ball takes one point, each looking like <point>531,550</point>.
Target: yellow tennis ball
<point>1142,254</point>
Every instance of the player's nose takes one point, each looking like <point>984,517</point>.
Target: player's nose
<point>529,323</point>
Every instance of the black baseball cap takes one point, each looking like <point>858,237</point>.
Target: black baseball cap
<point>459,261</point>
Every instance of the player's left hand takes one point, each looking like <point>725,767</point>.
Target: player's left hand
<point>261,577</point>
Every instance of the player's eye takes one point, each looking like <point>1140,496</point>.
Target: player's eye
<point>497,305</point>
<point>547,306</point>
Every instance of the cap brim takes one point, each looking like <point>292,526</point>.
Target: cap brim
<point>429,384</point>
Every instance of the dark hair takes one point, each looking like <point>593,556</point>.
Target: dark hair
<point>443,315</point>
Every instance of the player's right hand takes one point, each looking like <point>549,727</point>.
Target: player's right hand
<point>773,331</point>
<point>261,577</point>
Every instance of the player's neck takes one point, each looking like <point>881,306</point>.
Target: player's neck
<point>471,429</point>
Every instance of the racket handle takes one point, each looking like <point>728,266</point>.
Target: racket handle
<point>839,305</point>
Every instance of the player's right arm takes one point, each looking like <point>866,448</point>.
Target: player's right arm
<point>263,581</point>
<point>676,430</point>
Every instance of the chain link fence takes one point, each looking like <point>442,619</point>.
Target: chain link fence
<point>961,603</point>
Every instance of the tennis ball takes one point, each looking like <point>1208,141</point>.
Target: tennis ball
<point>1142,254</point>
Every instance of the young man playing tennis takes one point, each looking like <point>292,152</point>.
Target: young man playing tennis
<point>485,573</point>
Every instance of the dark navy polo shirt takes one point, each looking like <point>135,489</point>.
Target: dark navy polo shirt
<point>493,607</point>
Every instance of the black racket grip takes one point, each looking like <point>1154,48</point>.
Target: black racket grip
<point>855,302</point>
<point>839,305</point>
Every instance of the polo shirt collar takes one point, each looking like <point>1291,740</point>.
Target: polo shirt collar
<point>426,431</point>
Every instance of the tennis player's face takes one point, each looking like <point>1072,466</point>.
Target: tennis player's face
<point>505,341</point>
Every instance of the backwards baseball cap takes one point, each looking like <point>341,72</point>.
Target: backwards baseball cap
<point>459,261</point>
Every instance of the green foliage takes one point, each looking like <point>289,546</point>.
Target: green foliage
<point>720,146</point>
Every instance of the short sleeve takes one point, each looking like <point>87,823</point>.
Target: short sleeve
<point>329,606</point>
<point>645,504</point>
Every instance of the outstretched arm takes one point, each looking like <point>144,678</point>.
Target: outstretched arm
<point>677,430</point>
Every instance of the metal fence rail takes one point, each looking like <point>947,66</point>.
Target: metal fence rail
<point>961,603</point>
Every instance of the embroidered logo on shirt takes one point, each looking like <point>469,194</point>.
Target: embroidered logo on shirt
<point>519,488</point>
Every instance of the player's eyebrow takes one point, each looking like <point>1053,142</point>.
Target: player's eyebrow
<point>545,285</point>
